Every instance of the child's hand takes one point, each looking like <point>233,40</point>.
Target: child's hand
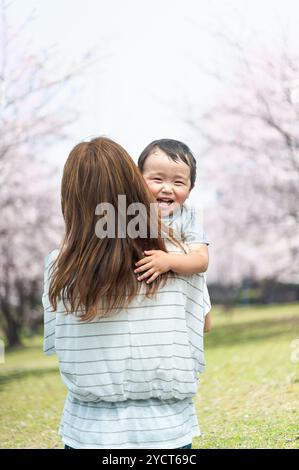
<point>155,263</point>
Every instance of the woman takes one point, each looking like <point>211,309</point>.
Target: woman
<point>128,352</point>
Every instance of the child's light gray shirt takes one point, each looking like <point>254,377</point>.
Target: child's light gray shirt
<point>187,224</point>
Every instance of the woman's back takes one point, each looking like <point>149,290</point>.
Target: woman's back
<point>130,358</point>
<point>152,349</point>
<point>131,377</point>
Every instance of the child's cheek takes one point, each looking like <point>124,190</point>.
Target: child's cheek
<point>154,188</point>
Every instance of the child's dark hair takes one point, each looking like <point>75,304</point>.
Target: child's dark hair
<point>175,150</point>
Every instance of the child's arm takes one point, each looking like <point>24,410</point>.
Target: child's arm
<point>157,262</point>
<point>195,261</point>
<point>200,254</point>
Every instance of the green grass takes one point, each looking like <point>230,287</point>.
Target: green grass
<point>248,396</point>
<point>249,392</point>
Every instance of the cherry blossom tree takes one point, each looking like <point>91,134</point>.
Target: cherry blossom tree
<point>35,111</point>
<point>30,225</point>
<point>252,164</point>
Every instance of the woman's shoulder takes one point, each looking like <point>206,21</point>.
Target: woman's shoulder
<point>51,256</point>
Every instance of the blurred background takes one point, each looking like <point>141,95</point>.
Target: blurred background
<point>223,77</point>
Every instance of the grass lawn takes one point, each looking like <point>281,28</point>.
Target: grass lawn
<point>249,394</point>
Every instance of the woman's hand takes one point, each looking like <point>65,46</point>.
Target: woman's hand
<point>155,263</point>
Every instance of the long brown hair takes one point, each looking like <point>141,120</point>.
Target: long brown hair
<point>94,275</point>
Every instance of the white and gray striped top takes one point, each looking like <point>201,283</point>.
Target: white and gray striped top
<point>131,377</point>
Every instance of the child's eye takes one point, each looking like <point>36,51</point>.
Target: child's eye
<point>157,179</point>
<point>179,182</point>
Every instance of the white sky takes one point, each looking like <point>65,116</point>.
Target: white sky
<point>149,77</point>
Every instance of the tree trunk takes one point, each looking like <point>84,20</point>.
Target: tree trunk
<point>12,327</point>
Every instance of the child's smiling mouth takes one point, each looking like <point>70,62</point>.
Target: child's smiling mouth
<point>164,202</point>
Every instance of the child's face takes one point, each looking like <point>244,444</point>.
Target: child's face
<point>168,181</point>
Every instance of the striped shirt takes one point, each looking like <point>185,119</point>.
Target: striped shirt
<point>131,377</point>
